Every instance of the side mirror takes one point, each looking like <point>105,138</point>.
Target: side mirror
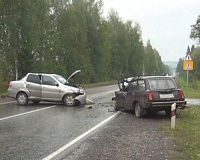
<point>56,84</point>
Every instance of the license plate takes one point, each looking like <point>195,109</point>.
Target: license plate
<point>166,96</point>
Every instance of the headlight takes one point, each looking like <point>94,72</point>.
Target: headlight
<point>80,91</point>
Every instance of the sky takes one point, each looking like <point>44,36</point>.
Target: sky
<point>166,23</point>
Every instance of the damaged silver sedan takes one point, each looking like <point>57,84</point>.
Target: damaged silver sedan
<point>38,87</point>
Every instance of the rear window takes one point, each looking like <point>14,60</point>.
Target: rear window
<point>161,84</point>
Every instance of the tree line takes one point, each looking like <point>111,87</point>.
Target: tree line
<point>194,52</point>
<point>61,36</point>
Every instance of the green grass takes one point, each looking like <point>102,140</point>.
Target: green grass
<point>186,135</point>
<point>191,93</point>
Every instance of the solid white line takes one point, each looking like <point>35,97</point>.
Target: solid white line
<point>17,115</point>
<point>7,102</point>
<point>78,138</point>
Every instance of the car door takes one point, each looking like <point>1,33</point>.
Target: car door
<point>130,94</point>
<point>140,93</point>
<point>33,85</point>
<point>50,88</point>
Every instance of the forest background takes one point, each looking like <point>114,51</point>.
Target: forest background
<point>51,36</point>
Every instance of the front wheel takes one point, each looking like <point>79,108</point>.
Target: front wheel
<point>69,100</point>
<point>138,111</point>
<point>22,99</point>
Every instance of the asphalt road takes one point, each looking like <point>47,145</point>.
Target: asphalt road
<point>34,132</point>
<point>54,131</point>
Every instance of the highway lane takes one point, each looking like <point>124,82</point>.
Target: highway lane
<point>36,131</point>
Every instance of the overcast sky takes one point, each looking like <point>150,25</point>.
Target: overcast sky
<point>166,23</point>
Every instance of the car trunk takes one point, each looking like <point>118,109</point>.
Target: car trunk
<point>167,95</point>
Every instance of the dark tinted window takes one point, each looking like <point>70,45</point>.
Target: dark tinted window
<point>33,78</point>
<point>140,85</point>
<point>47,80</point>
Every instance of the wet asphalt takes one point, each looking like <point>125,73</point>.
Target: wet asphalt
<point>34,132</point>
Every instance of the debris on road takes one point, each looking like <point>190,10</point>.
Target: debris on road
<point>88,102</point>
<point>88,107</point>
<point>111,109</point>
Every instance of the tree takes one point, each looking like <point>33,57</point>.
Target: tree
<point>19,30</point>
<point>195,31</point>
<point>188,51</point>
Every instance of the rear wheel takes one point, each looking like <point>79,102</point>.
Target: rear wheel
<point>69,100</point>
<point>22,99</point>
<point>138,110</point>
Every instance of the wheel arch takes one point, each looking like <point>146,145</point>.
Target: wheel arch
<point>22,92</point>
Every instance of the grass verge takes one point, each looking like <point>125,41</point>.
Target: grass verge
<point>186,136</point>
<point>191,93</point>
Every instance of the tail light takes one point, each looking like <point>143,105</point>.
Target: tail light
<point>150,96</point>
<point>10,85</point>
<point>181,94</point>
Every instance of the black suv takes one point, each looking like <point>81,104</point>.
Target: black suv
<point>149,93</point>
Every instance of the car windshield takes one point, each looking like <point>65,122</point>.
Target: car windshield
<point>161,84</point>
<point>60,79</point>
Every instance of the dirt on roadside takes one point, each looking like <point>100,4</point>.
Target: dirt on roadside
<point>129,138</point>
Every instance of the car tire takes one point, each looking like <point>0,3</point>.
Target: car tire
<point>22,99</point>
<point>69,100</point>
<point>138,110</point>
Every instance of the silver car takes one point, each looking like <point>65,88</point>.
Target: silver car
<point>38,87</point>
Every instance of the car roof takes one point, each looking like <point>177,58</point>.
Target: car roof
<point>146,77</point>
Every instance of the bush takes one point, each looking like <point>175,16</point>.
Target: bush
<point>195,84</point>
<point>3,87</point>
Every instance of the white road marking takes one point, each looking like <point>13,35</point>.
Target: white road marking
<point>7,102</point>
<point>79,138</point>
<point>17,115</point>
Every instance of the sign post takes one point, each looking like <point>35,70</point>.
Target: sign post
<point>188,66</point>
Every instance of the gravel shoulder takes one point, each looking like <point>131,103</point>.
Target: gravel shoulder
<point>129,138</point>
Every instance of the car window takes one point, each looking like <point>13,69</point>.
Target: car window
<point>33,78</point>
<point>47,80</point>
<point>140,85</point>
<point>60,79</point>
<point>161,84</point>
<point>136,85</point>
<point>131,86</point>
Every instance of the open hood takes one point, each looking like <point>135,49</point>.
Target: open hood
<point>73,74</point>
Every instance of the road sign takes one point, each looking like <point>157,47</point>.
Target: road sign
<point>188,58</point>
<point>188,65</point>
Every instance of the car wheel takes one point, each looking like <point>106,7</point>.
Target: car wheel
<point>138,110</point>
<point>22,98</point>
<point>69,100</point>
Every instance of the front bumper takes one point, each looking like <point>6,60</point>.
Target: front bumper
<point>81,98</point>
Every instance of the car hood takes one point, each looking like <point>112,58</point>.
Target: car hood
<point>73,74</point>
